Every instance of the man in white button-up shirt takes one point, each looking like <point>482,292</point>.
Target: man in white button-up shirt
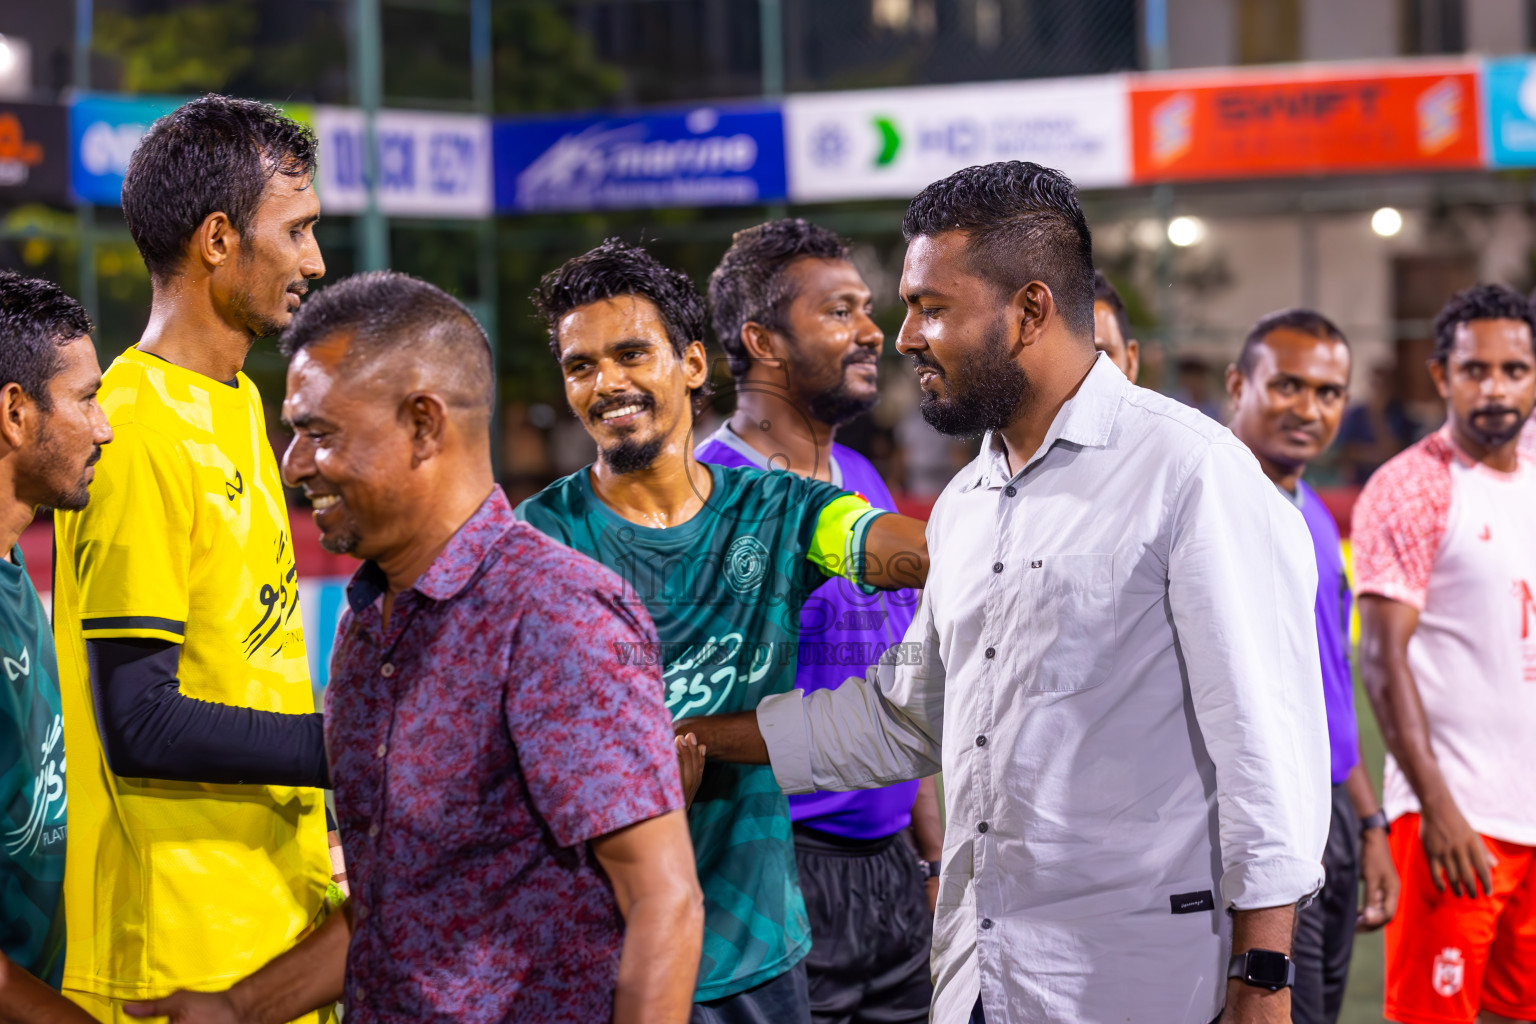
<point>1119,673</point>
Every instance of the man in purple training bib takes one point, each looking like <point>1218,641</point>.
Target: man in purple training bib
<point>1288,390</point>
<point>792,313</point>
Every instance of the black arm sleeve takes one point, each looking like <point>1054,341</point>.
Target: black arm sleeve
<point>150,729</point>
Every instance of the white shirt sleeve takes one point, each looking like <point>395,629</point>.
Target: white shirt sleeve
<point>1242,584</point>
<point>869,732</point>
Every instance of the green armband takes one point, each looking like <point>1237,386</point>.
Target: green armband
<point>837,545</point>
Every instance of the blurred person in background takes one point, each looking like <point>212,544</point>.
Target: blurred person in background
<point>1376,429</point>
<point>196,759</point>
<point>1445,565</point>
<point>1112,328</point>
<point>51,435</point>
<point>1287,392</point>
<point>792,313</point>
<point>723,559</point>
<point>1195,386</point>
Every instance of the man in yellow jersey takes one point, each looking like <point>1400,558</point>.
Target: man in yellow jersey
<point>198,845</point>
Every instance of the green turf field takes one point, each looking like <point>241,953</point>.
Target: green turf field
<point>1362,1001</point>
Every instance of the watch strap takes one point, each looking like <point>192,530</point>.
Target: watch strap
<point>1377,820</point>
<point>930,868</point>
<point>1239,967</point>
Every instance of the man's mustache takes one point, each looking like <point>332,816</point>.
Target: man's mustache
<point>1306,426</point>
<point>95,457</point>
<point>923,361</point>
<point>602,405</point>
<point>1491,411</point>
<point>860,357</point>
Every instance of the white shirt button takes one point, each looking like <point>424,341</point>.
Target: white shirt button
<point>386,670</point>
<point>383,748</point>
<point>373,830</point>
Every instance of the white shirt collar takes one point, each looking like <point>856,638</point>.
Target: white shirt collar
<point>1085,420</point>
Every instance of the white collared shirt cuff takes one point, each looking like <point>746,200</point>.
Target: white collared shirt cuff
<point>787,735</point>
<point>1271,882</point>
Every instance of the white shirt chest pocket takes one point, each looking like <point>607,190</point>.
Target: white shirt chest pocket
<point>1068,606</point>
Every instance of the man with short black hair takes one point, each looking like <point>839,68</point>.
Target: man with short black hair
<point>1445,565</point>
<point>199,846</point>
<point>723,559</point>
<point>51,434</point>
<point>506,780</point>
<point>1112,328</point>
<point>1116,663</point>
<point>1287,392</point>
<point>793,315</point>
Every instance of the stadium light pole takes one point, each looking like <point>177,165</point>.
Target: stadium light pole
<point>484,102</point>
<point>1154,27</point>
<point>368,83</point>
<point>85,212</point>
<point>770,15</point>
<point>481,57</point>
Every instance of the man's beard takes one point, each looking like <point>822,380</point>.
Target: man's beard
<point>242,307</point>
<point>630,455</point>
<point>984,392</point>
<point>343,542</point>
<point>71,498</point>
<point>837,405</point>
<point>1499,438</point>
<point>627,455</point>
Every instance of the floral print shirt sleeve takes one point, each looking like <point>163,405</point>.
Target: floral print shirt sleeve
<point>479,740</point>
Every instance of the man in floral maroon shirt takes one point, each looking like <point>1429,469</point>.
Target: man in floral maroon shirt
<point>506,785</point>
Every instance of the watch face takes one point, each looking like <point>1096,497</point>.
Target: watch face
<point>1266,967</point>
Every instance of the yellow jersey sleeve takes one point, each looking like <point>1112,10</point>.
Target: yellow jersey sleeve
<point>133,542</point>
<point>837,543</point>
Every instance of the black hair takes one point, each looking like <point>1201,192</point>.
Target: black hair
<point>1105,292</point>
<point>750,286</point>
<point>212,155</point>
<point>386,312</point>
<point>1480,302</point>
<point>1306,321</point>
<point>617,268</point>
<point>36,320</point>
<point>1023,223</point>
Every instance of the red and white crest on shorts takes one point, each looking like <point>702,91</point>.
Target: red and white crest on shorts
<point>1449,971</point>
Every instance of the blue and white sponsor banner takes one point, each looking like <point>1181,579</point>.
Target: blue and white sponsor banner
<point>709,156</point>
<point>103,133</point>
<point>430,165</point>
<point>891,143</point>
<point>321,602</point>
<point>1509,111</point>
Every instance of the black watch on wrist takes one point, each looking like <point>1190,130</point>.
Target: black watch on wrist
<point>929,868</point>
<point>1263,968</point>
<point>1377,820</point>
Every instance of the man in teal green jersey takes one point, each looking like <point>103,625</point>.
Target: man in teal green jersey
<point>723,560</point>
<point>51,433</point>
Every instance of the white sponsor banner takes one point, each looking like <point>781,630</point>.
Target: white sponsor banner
<point>430,165</point>
<point>890,143</point>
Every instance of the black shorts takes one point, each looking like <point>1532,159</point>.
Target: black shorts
<point>780,1000</point>
<point>870,929</point>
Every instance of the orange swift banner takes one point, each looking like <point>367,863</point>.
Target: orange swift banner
<point>1318,120</point>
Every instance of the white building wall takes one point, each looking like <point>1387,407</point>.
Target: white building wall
<point>1495,26</point>
<point>1349,29</point>
<point>1202,33</point>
